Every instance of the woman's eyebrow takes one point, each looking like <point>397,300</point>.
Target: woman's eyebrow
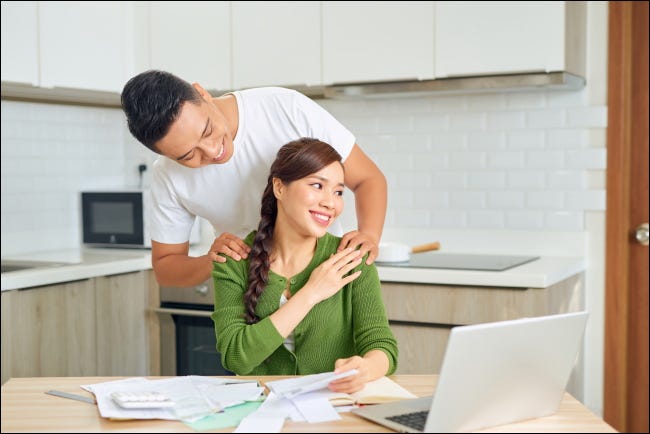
<point>205,128</point>
<point>322,178</point>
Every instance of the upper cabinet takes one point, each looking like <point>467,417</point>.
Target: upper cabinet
<point>84,45</point>
<point>482,38</point>
<point>377,41</point>
<point>20,42</point>
<point>225,45</point>
<point>191,39</point>
<point>276,43</point>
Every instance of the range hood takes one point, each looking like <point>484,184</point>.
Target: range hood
<point>394,89</point>
<point>457,85</point>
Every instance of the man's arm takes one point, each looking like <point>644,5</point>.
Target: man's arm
<point>369,186</point>
<point>173,266</point>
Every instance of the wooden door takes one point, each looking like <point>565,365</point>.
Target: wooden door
<point>626,274</point>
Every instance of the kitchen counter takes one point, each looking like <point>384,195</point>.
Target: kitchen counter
<point>85,263</point>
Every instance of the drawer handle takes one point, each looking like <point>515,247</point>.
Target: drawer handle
<point>184,312</point>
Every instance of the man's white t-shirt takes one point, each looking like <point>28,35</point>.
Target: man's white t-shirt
<point>229,195</point>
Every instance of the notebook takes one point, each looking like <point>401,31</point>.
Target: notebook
<point>493,374</point>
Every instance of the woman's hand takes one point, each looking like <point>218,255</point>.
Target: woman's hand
<point>353,383</point>
<point>229,245</point>
<point>330,276</point>
<point>365,242</point>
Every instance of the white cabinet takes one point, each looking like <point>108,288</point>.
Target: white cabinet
<point>276,43</point>
<point>84,45</point>
<point>481,38</point>
<point>377,41</point>
<point>20,42</point>
<point>191,39</point>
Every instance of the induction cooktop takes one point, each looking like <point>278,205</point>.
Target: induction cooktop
<point>461,261</point>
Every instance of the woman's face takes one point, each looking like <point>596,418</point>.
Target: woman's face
<point>311,204</point>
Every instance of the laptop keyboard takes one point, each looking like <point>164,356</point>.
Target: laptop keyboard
<point>415,420</point>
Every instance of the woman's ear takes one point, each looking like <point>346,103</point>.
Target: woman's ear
<point>278,188</point>
<point>204,93</point>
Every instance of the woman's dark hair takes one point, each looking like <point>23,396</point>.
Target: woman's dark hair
<point>295,160</point>
<point>152,101</point>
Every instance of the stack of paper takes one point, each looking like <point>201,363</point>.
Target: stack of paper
<point>194,397</point>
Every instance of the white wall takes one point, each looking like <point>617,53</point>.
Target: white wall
<point>527,169</point>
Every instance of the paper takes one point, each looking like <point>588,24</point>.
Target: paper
<point>260,423</point>
<point>315,410</point>
<point>194,396</point>
<point>291,387</point>
<point>230,417</point>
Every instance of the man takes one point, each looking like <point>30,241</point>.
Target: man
<point>216,154</point>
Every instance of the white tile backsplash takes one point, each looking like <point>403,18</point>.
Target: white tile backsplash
<point>511,161</point>
<point>51,152</point>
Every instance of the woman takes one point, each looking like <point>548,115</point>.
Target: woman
<point>295,305</point>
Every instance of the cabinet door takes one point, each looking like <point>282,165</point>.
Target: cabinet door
<point>20,42</point>
<point>375,41</point>
<point>474,38</point>
<point>421,347</point>
<point>51,331</point>
<point>191,39</point>
<point>276,43</point>
<point>83,45</point>
<point>121,305</point>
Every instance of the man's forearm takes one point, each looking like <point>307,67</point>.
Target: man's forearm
<point>370,202</point>
<point>182,271</point>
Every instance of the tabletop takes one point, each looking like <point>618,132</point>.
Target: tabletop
<point>27,408</point>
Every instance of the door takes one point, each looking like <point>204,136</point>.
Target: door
<point>626,274</point>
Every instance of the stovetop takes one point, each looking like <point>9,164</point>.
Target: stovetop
<point>461,261</point>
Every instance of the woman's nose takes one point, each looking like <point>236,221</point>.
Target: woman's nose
<point>327,200</point>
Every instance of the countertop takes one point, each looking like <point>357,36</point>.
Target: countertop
<point>84,263</point>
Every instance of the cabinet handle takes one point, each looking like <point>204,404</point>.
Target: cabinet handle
<point>184,312</point>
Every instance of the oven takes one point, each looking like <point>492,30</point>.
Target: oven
<point>187,337</point>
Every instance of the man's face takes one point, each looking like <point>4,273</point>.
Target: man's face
<point>200,136</point>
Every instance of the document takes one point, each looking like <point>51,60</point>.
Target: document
<point>375,392</point>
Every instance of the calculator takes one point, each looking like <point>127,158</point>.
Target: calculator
<point>141,399</point>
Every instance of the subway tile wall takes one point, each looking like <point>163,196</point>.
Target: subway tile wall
<point>50,153</point>
<point>529,161</point>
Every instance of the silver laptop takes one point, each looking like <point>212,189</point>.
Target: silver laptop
<point>493,374</point>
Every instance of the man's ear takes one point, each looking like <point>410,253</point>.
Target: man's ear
<point>204,93</point>
<point>278,188</point>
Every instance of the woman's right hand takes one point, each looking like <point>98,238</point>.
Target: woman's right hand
<point>229,245</point>
<point>330,276</point>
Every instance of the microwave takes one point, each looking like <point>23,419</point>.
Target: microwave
<point>119,219</point>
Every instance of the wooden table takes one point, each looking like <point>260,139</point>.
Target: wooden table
<point>26,408</point>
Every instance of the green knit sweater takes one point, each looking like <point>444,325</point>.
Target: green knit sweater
<point>351,322</point>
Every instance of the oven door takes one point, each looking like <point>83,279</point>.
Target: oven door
<point>188,344</point>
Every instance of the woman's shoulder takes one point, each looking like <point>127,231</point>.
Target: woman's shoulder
<point>328,244</point>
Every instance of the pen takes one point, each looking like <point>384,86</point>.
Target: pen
<point>71,396</point>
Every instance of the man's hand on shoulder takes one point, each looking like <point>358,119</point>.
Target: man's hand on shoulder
<point>365,242</point>
<point>229,245</point>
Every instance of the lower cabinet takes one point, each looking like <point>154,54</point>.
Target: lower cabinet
<point>121,302</point>
<point>49,331</point>
<point>83,328</point>
<point>421,316</point>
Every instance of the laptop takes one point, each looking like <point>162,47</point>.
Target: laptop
<point>493,374</point>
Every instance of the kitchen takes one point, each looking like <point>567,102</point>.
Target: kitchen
<point>499,172</point>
